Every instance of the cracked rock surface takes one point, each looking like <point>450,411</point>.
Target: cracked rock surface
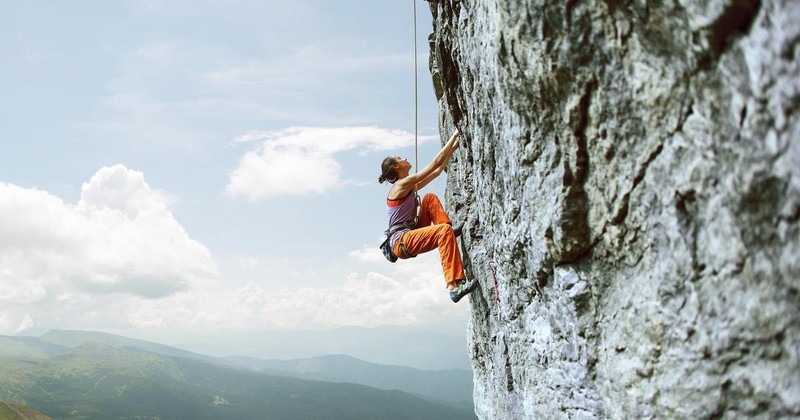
<point>629,173</point>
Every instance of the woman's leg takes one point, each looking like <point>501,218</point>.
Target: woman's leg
<point>426,239</point>
<point>431,212</point>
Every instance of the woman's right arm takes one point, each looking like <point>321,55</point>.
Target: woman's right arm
<point>438,170</point>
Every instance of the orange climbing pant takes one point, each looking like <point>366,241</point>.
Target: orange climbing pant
<point>433,230</point>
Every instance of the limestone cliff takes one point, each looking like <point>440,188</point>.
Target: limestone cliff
<point>630,173</point>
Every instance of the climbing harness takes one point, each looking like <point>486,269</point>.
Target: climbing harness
<point>386,245</point>
<point>403,248</point>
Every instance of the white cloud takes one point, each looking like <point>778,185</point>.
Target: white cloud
<point>14,325</point>
<point>307,65</point>
<point>123,190</point>
<point>406,293</point>
<point>300,160</point>
<point>368,254</point>
<point>413,292</point>
<point>247,263</point>
<point>118,260</point>
<point>119,238</point>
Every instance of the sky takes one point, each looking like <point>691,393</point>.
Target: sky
<point>175,167</point>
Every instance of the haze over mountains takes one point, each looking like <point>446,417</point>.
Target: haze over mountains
<point>75,374</point>
<point>391,345</point>
<point>452,385</point>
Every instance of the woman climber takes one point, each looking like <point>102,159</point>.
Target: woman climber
<point>411,233</point>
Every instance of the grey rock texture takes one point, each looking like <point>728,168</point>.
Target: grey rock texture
<point>629,173</point>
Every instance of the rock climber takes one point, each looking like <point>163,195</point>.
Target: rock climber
<point>411,233</point>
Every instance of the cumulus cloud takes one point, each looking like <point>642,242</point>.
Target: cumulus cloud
<point>14,325</point>
<point>120,238</point>
<point>118,260</point>
<point>405,295</point>
<point>301,160</point>
<point>368,254</point>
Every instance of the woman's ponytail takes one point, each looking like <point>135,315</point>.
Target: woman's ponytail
<point>388,173</point>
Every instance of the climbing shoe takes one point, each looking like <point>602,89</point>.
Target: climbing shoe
<point>458,230</point>
<point>462,289</point>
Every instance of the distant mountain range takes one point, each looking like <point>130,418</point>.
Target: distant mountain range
<point>87,375</point>
<point>453,386</point>
<point>444,348</point>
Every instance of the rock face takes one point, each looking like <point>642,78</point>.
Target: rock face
<point>629,173</point>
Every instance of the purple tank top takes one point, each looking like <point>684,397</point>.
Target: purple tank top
<point>400,211</point>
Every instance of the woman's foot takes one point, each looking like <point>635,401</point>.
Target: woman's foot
<point>462,288</point>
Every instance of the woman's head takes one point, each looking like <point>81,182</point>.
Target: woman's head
<point>394,168</point>
<point>388,170</point>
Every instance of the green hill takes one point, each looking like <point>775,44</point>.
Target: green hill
<point>29,347</point>
<point>452,386</point>
<point>96,381</point>
<point>74,338</point>
<point>12,411</point>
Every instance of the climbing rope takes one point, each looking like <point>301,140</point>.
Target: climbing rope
<point>416,99</point>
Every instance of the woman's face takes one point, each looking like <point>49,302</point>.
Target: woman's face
<point>403,163</point>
